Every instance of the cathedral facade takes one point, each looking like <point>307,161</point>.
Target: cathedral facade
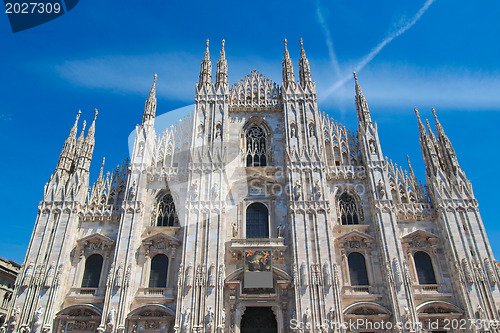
<point>257,213</point>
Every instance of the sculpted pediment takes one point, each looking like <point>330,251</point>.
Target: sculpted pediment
<point>96,241</point>
<point>160,239</point>
<point>420,238</point>
<point>356,235</point>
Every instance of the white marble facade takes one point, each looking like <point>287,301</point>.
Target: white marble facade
<point>159,244</point>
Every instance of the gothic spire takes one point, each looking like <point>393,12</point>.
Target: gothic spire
<point>361,104</point>
<point>102,169</point>
<point>91,132</point>
<point>412,174</point>
<point>74,129</point>
<point>67,152</point>
<point>448,153</point>
<point>429,152</point>
<point>82,137</point>
<point>150,105</point>
<point>288,75</point>
<point>304,68</point>
<point>206,69</point>
<point>431,133</point>
<point>222,69</point>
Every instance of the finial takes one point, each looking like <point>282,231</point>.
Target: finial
<point>154,80</point>
<point>207,42</point>
<point>434,113</point>
<point>355,77</point>
<point>102,168</point>
<point>95,114</point>
<point>78,113</point>
<point>416,113</point>
<point>223,42</point>
<point>286,49</point>
<point>301,43</point>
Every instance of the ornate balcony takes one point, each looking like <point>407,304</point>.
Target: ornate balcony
<point>91,294</point>
<point>276,245</point>
<point>360,292</point>
<point>155,294</point>
<point>423,291</point>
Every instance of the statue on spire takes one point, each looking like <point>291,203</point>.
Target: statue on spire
<point>206,69</point>
<point>288,75</point>
<point>150,106</point>
<point>304,68</point>
<point>222,69</point>
<point>361,104</point>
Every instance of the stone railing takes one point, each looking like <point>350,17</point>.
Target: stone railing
<point>431,290</point>
<point>151,293</point>
<point>414,211</point>
<point>87,293</point>
<point>345,172</point>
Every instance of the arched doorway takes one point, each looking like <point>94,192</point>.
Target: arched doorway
<point>259,320</point>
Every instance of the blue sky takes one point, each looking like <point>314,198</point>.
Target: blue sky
<point>443,54</point>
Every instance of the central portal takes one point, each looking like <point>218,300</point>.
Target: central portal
<point>259,320</point>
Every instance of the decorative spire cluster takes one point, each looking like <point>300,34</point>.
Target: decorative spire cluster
<point>361,105</point>
<point>150,106</point>
<point>438,153</point>
<point>77,153</point>
<point>221,76</point>
<point>206,69</point>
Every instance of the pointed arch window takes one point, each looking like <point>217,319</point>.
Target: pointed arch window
<point>357,269</point>
<point>166,213</point>
<point>257,221</point>
<point>256,150</point>
<point>425,270</point>
<point>92,273</point>
<point>159,269</point>
<point>348,209</point>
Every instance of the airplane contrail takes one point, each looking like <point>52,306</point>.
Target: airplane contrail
<point>369,57</point>
<point>329,40</point>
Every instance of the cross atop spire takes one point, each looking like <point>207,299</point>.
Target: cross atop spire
<point>304,68</point>
<point>361,105</point>
<point>206,69</point>
<point>288,75</point>
<point>221,76</point>
<point>149,113</point>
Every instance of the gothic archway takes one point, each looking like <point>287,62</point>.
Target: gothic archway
<point>152,318</point>
<point>259,319</point>
<point>80,318</point>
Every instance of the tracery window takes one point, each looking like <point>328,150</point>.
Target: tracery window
<point>357,269</point>
<point>92,273</point>
<point>257,221</point>
<point>425,270</point>
<point>166,215</point>
<point>348,209</point>
<point>256,149</point>
<point>159,269</point>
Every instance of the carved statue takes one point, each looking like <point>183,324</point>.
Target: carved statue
<point>317,189</point>
<point>235,229</point>
<point>373,150</point>
<point>185,320</point>
<point>296,190</point>
<point>308,318</point>
<point>110,322</point>
<point>280,231</point>
<point>38,316</point>
<point>210,318</point>
<point>292,131</point>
